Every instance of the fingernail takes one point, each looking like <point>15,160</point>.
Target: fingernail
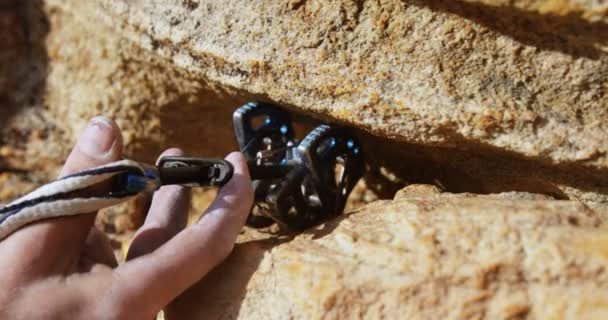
<point>98,138</point>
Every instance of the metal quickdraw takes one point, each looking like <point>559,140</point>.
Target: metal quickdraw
<point>297,185</point>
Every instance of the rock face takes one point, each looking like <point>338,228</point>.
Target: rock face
<point>482,96</point>
<point>424,255</point>
<point>477,96</point>
<point>500,103</point>
<point>459,73</point>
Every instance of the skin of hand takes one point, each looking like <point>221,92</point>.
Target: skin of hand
<point>64,268</point>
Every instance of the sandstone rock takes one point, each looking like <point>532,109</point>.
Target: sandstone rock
<point>426,256</point>
<point>67,61</point>
<point>529,78</point>
<point>60,67</point>
<point>23,67</point>
<point>498,97</point>
<point>464,94</point>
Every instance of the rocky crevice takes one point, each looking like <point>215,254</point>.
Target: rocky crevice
<point>493,113</point>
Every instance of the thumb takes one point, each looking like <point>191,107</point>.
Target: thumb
<point>100,143</point>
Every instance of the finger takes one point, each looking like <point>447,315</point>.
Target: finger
<point>49,241</point>
<point>168,215</point>
<point>97,250</point>
<point>157,278</point>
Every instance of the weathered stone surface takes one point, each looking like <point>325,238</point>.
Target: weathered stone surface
<point>58,73</point>
<point>425,255</point>
<point>493,96</point>
<point>489,105</point>
<point>23,68</point>
<point>529,78</point>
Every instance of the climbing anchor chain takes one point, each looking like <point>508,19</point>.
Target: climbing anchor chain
<point>297,185</point>
<point>104,186</point>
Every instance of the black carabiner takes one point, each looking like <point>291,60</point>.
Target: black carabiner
<point>194,172</point>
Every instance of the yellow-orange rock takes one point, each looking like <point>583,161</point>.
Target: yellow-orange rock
<point>424,256</point>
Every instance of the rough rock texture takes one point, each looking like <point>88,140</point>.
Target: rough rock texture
<point>477,96</point>
<point>59,67</point>
<point>425,255</point>
<point>520,78</point>
<point>52,87</point>
<point>500,97</point>
<point>463,94</point>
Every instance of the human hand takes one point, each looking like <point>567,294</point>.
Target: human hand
<point>64,268</point>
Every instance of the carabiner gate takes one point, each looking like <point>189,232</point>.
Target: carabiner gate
<point>194,172</point>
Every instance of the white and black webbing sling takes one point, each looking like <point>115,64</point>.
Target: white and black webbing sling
<point>107,185</point>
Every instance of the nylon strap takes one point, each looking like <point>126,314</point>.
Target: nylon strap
<point>77,194</point>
